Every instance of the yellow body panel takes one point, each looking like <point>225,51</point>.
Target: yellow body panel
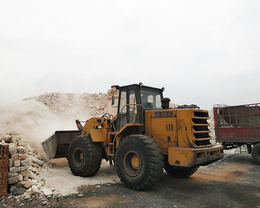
<point>189,157</point>
<point>182,134</point>
<point>162,128</point>
<point>180,156</point>
<point>99,129</point>
<point>98,135</point>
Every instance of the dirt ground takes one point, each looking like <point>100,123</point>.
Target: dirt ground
<point>231,182</point>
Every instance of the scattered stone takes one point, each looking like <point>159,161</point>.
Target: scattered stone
<point>14,169</point>
<point>16,138</point>
<point>29,148</point>
<point>39,162</point>
<point>34,190</point>
<point>23,168</point>
<point>47,192</point>
<point>22,156</point>
<point>20,178</point>
<point>17,191</point>
<point>15,156</point>
<point>12,148</point>
<point>26,162</point>
<point>22,143</point>
<point>34,170</point>
<point>10,175</point>
<point>16,163</point>
<point>27,184</point>
<point>13,180</point>
<point>28,174</point>
<point>35,165</point>
<point>21,150</point>
<point>10,163</point>
<point>7,138</point>
<point>40,157</point>
<point>44,202</point>
<point>18,172</point>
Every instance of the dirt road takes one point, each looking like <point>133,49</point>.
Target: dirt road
<point>231,182</point>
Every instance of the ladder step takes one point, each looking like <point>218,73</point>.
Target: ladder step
<point>200,132</point>
<point>198,117</point>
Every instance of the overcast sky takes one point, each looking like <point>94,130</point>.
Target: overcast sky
<point>203,52</point>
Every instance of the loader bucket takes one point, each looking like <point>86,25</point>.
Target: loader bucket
<point>57,145</point>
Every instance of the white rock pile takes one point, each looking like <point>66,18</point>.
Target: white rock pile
<point>25,163</point>
<point>76,104</point>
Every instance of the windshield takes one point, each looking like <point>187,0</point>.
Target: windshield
<point>151,100</point>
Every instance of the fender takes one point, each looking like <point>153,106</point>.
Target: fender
<point>98,135</point>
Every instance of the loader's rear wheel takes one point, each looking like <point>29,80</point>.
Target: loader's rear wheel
<point>84,156</point>
<point>139,162</point>
<point>256,152</point>
<point>179,172</point>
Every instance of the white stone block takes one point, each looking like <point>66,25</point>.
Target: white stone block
<point>16,163</point>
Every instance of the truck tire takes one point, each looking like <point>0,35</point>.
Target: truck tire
<point>256,152</point>
<point>139,162</point>
<point>84,156</point>
<point>179,172</point>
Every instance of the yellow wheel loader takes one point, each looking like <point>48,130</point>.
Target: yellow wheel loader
<point>145,137</point>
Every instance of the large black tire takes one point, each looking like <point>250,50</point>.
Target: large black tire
<point>139,162</point>
<point>84,156</point>
<point>179,172</point>
<point>256,152</point>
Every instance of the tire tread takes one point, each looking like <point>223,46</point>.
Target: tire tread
<point>154,166</point>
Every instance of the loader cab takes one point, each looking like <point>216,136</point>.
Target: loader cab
<point>134,100</point>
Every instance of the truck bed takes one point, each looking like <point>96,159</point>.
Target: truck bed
<point>237,124</point>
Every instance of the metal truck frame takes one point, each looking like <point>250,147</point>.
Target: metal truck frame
<point>239,125</point>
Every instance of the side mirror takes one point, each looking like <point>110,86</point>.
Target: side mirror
<point>113,100</point>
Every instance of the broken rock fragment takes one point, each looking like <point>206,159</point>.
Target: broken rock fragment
<point>39,162</point>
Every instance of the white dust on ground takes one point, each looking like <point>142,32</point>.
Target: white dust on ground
<point>60,179</point>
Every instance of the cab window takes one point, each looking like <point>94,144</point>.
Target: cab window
<point>151,100</point>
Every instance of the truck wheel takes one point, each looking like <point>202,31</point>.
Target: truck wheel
<point>139,162</point>
<point>179,172</point>
<point>256,152</point>
<point>84,156</point>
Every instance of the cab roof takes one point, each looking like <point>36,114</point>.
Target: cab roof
<point>138,86</point>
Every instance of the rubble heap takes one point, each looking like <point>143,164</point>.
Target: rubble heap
<point>25,163</point>
<point>76,104</point>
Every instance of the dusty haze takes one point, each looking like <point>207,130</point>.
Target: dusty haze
<point>37,118</point>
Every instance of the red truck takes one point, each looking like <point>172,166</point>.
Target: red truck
<point>239,125</point>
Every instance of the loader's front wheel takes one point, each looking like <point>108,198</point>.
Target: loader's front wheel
<point>84,156</point>
<point>139,162</point>
<point>179,172</point>
<point>256,152</point>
